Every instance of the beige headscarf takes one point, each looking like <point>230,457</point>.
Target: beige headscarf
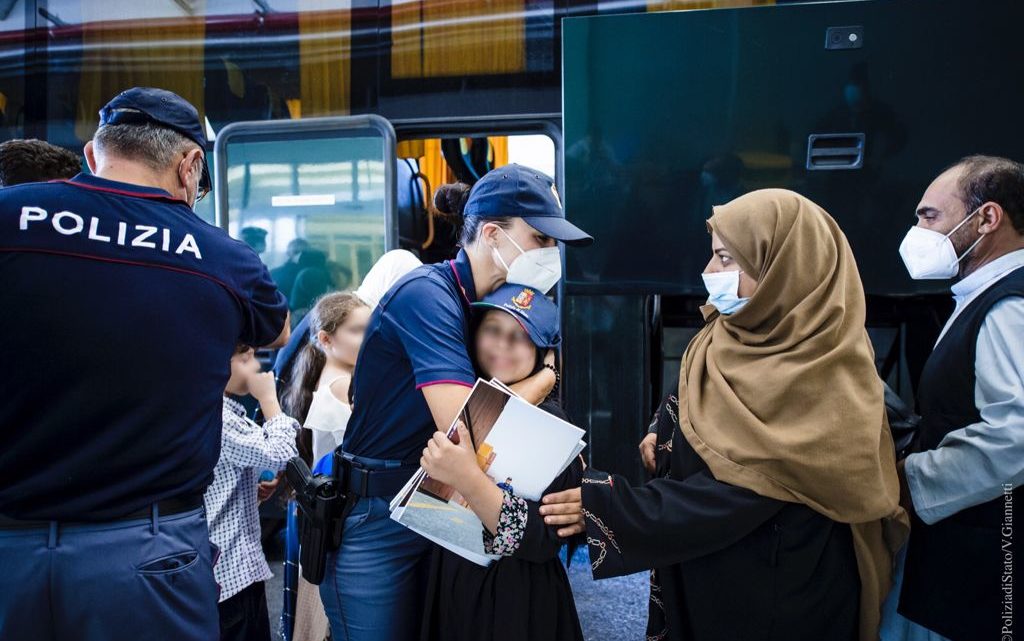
<point>782,397</point>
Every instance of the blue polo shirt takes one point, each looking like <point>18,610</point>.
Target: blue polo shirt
<point>415,338</point>
<point>120,312</point>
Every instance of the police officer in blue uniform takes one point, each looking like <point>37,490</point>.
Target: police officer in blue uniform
<point>412,377</point>
<point>121,311</point>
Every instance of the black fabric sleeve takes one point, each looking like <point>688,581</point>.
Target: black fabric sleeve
<point>266,308</point>
<point>665,425</point>
<point>665,521</point>
<point>541,542</point>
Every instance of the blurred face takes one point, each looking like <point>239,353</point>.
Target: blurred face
<point>342,346</point>
<point>722,261</point>
<point>503,348</point>
<point>243,366</point>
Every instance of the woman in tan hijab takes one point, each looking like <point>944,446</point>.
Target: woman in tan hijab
<point>780,510</point>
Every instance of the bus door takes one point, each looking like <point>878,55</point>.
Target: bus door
<point>315,198</point>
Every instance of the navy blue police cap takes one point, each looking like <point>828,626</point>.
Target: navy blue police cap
<point>141,105</point>
<point>520,192</point>
<point>534,311</point>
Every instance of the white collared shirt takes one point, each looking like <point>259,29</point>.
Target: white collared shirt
<point>972,464</point>
<point>232,509</point>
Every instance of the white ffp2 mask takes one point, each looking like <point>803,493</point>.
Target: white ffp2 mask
<point>930,255</point>
<point>538,268</point>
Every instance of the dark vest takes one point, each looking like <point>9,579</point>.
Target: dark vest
<point>953,580</point>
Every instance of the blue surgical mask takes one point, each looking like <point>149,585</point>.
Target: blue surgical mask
<point>723,289</point>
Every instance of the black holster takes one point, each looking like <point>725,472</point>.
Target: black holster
<point>323,507</point>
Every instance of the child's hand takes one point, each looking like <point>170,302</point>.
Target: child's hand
<point>266,489</point>
<point>451,463</point>
<point>263,388</point>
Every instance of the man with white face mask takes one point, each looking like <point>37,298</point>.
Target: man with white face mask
<point>123,310</point>
<point>962,480</point>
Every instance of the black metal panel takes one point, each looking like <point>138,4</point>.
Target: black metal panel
<point>606,376</point>
<point>690,109</point>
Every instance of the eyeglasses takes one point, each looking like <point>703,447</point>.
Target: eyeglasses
<point>202,193</point>
<point>513,338</point>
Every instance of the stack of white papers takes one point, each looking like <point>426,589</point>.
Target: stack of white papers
<point>518,445</point>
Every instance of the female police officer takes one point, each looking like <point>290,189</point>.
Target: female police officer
<point>412,377</point>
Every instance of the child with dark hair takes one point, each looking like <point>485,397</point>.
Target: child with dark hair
<point>31,160</point>
<point>231,501</point>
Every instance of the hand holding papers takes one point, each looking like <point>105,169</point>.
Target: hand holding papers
<point>518,446</point>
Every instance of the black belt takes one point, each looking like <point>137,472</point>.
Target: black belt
<point>365,482</point>
<point>167,507</point>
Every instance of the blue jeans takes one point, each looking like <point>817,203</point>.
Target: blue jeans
<point>122,581</point>
<point>375,584</point>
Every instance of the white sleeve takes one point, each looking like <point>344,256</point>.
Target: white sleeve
<point>974,464</point>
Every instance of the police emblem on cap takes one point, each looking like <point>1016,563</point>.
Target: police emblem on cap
<point>524,300</point>
<point>554,192</point>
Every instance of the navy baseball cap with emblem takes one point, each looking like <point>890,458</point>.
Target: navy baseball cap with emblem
<point>141,105</point>
<point>520,192</point>
<point>534,311</point>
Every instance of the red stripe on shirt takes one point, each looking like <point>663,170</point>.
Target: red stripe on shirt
<point>443,382</point>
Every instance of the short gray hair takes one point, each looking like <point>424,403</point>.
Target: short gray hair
<point>148,143</point>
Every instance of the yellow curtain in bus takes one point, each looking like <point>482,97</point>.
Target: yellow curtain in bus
<point>434,38</point>
<point>325,51</point>
<point>499,150</point>
<point>118,55</point>
<point>677,5</point>
<point>410,149</point>
<point>433,165</point>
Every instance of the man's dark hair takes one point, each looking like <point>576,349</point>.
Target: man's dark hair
<point>29,161</point>
<point>993,179</point>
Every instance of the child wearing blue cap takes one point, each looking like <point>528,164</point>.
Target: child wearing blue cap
<point>526,594</point>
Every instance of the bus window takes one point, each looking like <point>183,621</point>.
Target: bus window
<point>313,198</point>
<point>12,76</point>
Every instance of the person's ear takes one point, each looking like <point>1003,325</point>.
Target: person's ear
<point>323,338</point>
<point>489,234</point>
<point>90,157</point>
<point>190,164</point>
<point>991,215</point>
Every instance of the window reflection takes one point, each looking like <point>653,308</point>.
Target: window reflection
<point>313,210</point>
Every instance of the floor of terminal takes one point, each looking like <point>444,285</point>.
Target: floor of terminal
<point>610,610</point>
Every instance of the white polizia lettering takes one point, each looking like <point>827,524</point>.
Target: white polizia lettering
<point>145,231</point>
<point>68,223</point>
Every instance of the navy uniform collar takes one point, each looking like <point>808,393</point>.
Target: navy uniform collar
<point>464,276</point>
<point>126,189</point>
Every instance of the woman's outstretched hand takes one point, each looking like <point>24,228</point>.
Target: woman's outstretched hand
<point>452,463</point>
<point>564,509</point>
<point>647,449</point>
